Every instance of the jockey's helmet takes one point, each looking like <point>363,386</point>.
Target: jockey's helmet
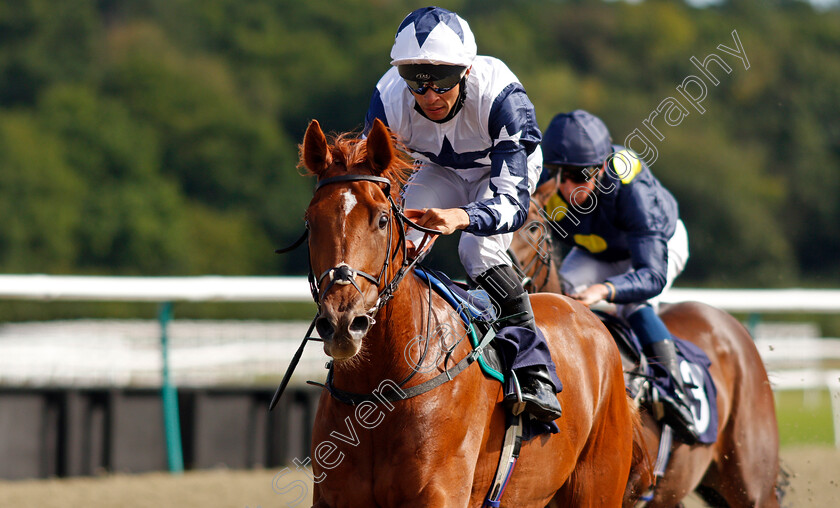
<point>578,138</point>
<point>435,36</point>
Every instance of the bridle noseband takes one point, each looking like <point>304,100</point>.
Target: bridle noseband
<point>343,274</point>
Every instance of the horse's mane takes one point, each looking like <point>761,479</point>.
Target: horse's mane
<point>349,150</point>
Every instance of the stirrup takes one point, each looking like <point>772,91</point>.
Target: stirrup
<point>518,407</point>
<point>539,409</point>
<point>675,416</point>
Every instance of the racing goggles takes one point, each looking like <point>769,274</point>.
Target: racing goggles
<point>574,174</point>
<point>439,78</point>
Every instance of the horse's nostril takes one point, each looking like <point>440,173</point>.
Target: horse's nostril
<point>360,324</point>
<point>324,328</point>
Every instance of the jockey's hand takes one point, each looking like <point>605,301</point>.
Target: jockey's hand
<point>592,295</point>
<point>445,220</point>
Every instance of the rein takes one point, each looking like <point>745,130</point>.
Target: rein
<point>426,386</point>
<point>543,270</point>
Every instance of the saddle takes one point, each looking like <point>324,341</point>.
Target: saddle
<point>475,309</point>
<point>647,381</point>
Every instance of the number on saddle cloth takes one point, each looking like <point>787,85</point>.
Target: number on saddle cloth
<point>694,368</point>
<point>702,393</point>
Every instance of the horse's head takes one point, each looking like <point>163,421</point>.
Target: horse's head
<point>353,231</point>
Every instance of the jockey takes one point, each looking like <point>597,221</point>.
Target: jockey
<point>472,129</point>
<point>629,243</point>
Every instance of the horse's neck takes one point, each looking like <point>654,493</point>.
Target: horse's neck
<point>390,346</point>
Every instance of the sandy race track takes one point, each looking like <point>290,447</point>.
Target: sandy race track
<point>814,482</point>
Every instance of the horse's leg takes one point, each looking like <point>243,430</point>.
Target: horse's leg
<point>645,445</point>
<point>748,461</point>
<point>733,481</point>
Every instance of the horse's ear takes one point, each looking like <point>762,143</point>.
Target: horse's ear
<point>316,154</point>
<point>380,148</point>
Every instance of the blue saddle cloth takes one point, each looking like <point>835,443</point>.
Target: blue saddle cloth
<point>514,347</point>
<point>694,366</point>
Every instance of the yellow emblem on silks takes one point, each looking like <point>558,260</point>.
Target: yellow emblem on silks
<point>592,243</point>
<point>626,165</point>
<point>556,208</point>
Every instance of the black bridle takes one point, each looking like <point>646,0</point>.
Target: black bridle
<point>343,274</point>
<point>539,266</point>
<point>544,258</point>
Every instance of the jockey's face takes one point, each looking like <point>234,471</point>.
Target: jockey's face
<point>575,193</point>
<point>436,106</point>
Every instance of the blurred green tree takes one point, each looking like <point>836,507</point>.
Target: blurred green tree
<point>40,199</point>
<point>160,137</point>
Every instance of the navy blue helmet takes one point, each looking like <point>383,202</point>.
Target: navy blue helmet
<point>578,138</point>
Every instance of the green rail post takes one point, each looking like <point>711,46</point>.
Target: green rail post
<point>171,420</point>
<point>753,321</point>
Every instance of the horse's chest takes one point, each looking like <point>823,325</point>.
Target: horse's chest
<point>404,484</point>
<point>396,465</point>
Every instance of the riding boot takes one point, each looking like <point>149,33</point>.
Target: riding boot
<point>514,308</point>
<point>677,412</point>
<point>655,336</point>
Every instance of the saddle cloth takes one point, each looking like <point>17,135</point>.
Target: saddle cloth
<point>694,367</point>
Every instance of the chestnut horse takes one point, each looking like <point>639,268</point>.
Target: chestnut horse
<point>741,468</point>
<point>388,333</point>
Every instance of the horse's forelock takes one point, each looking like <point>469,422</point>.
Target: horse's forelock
<point>349,152</point>
<point>339,157</point>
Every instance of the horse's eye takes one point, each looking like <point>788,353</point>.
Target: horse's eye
<point>383,221</point>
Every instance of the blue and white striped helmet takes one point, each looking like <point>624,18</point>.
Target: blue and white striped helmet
<point>433,35</point>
